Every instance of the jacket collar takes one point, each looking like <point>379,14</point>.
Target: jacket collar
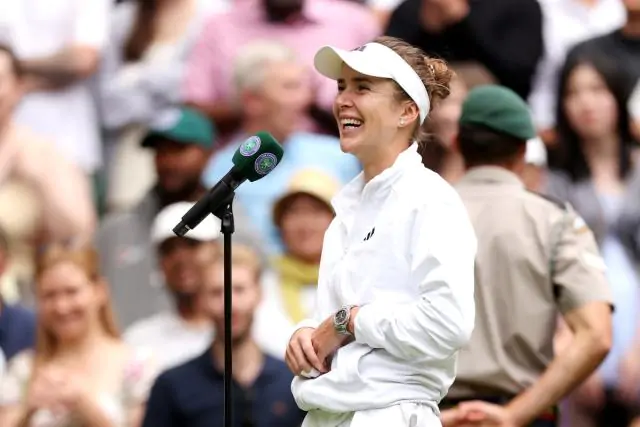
<point>378,188</point>
<point>490,174</point>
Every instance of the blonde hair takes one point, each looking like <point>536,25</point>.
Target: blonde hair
<point>86,259</point>
<point>250,64</point>
<point>241,256</point>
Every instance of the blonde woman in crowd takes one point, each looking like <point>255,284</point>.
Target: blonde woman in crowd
<point>80,373</point>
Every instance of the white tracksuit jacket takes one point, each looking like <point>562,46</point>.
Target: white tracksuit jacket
<point>403,249</point>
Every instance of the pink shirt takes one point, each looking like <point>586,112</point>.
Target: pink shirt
<point>334,22</point>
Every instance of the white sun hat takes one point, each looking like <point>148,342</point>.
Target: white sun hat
<point>375,60</point>
<point>163,224</point>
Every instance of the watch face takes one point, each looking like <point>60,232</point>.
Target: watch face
<point>341,316</point>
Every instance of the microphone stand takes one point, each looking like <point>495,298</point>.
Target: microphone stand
<point>227,227</point>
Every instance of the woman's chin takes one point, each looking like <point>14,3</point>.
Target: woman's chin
<point>349,144</point>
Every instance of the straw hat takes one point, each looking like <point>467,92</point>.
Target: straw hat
<point>311,182</point>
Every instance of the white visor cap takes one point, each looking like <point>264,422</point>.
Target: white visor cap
<point>375,60</point>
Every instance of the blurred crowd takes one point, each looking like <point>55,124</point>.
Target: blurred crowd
<point>116,116</point>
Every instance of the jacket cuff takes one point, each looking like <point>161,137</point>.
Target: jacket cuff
<point>364,325</point>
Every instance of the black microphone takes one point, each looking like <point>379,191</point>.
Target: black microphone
<point>254,159</point>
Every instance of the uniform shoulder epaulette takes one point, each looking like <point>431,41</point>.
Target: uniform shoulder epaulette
<point>551,199</point>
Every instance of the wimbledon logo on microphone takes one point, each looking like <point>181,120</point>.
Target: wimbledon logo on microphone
<point>250,146</point>
<point>265,163</point>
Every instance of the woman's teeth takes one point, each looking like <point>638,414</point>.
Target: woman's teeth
<point>350,123</point>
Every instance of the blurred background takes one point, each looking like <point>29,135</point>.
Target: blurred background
<point>114,115</point>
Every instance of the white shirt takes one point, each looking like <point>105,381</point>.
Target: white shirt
<point>567,23</point>
<point>402,247</point>
<point>40,28</point>
<point>172,340</point>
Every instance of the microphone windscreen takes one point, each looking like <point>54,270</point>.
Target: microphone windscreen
<point>257,156</point>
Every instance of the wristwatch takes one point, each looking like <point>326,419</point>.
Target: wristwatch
<point>341,320</point>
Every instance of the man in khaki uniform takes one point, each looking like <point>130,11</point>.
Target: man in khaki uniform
<point>536,257</point>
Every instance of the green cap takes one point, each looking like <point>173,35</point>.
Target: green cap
<point>500,109</point>
<point>184,125</point>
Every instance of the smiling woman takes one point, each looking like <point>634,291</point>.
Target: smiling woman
<point>395,297</point>
<point>390,103</point>
<point>80,369</point>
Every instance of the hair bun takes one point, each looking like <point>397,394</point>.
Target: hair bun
<point>439,78</point>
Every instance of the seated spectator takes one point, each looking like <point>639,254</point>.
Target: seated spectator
<point>59,45</point>
<point>182,141</point>
<point>566,23</point>
<point>191,394</point>
<point>141,75</point>
<point>274,91</point>
<point>304,25</point>
<point>81,371</point>
<point>44,197</point>
<point>622,46</point>
<point>301,215</point>
<point>185,331</point>
<point>17,324</point>
<point>592,168</point>
<point>505,36</point>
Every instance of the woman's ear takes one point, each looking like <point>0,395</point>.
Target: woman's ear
<point>410,113</point>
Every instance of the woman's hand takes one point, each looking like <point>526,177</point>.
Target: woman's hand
<point>486,414</point>
<point>43,392</point>
<point>301,356</point>
<point>326,340</point>
<point>451,417</point>
<point>72,393</point>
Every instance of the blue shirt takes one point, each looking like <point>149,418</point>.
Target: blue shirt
<point>17,329</point>
<point>301,151</point>
<point>192,395</point>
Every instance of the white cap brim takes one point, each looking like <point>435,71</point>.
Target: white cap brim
<point>375,60</point>
<point>162,229</point>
